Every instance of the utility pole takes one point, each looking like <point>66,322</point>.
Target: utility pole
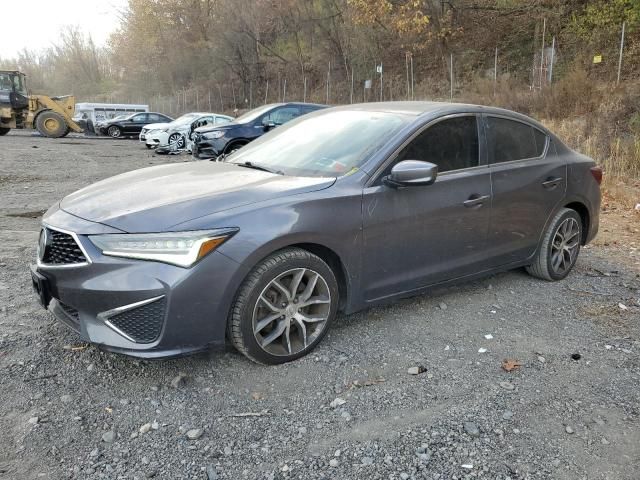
<point>451,76</point>
<point>328,83</point>
<point>284,90</point>
<point>266,93</point>
<point>406,66</point>
<point>553,54</point>
<point>304,95</point>
<point>620,57</point>
<point>221,104</point>
<point>210,109</point>
<point>233,92</point>
<point>381,91</point>
<point>544,29</point>
<point>495,72</point>
<point>250,94</point>
<point>411,64</point>
<point>351,97</point>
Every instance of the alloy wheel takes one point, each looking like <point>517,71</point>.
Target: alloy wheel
<point>291,312</point>
<point>176,141</point>
<point>565,246</point>
<point>114,132</point>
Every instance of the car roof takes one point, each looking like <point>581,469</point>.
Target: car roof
<point>444,108</point>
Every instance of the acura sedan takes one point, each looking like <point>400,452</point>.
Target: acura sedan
<point>336,211</point>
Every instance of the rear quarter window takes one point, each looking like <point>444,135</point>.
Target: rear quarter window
<point>510,140</point>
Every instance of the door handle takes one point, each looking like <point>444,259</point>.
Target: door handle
<point>475,201</point>
<point>551,183</point>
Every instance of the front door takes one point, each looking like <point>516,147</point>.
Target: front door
<point>422,235</point>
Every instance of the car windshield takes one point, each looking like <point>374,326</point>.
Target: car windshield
<point>330,144</point>
<point>184,119</point>
<point>251,115</point>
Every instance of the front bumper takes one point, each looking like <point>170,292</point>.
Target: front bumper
<point>157,139</point>
<point>112,301</point>
<point>206,149</point>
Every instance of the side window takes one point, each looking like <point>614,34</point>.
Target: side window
<point>541,141</point>
<point>511,140</point>
<point>451,144</point>
<point>203,121</point>
<point>222,120</point>
<point>155,118</point>
<point>140,118</point>
<point>282,115</point>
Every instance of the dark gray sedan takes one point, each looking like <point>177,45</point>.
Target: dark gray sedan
<point>336,211</point>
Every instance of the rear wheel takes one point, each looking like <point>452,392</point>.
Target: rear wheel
<point>51,124</point>
<point>560,247</point>
<point>284,308</point>
<point>114,131</point>
<point>4,131</point>
<point>148,146</point>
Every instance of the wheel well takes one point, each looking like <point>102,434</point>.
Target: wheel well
<point>333,260</point>
<point>236,141</point>
<point>583,211</point>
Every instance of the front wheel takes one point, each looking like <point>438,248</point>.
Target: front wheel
<point>560,247</point>
<point>51,124</point>
<point>114,132</point>
<point>4,131</point>
<point>176,141</point>
<point>284,307</point>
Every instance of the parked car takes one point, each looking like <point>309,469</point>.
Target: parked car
<point>210,142</point>
<point>131,124</point>
<point>341,209</point>
<point>176,136</point>
<point>147,129</point>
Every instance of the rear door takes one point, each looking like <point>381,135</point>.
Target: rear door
<point>528,182</point>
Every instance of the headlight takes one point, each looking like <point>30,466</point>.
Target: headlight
<point>213,135</point>
<point>177,248</point>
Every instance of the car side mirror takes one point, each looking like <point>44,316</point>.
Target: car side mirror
<point>410,173</point>
<point>268,125</point>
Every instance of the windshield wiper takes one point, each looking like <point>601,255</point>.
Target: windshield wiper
<point>259,167</point>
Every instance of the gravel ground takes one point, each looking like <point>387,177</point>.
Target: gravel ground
<point>350,410</point>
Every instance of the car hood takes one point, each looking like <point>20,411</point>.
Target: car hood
<point>157,198</point>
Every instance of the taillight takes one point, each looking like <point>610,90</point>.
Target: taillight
<point>597,174</point>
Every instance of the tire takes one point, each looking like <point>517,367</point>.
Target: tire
<point>177,139</point>
<point>559,248</point>
<point>4,131</point>
<point>51,124</point>
<point>114,131</point>
<point>233,146</point>
<point>279,309</point>
<point>148,146</point>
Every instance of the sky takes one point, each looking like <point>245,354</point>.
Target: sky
<point>35,24</point>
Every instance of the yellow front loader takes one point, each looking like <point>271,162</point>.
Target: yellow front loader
<point>52,116</point>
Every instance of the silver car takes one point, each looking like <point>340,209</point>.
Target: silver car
<point>338,210</point>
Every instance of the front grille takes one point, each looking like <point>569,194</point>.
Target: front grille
<point>70,311</point>
<point>143,324</point>
<point>62,249</point>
